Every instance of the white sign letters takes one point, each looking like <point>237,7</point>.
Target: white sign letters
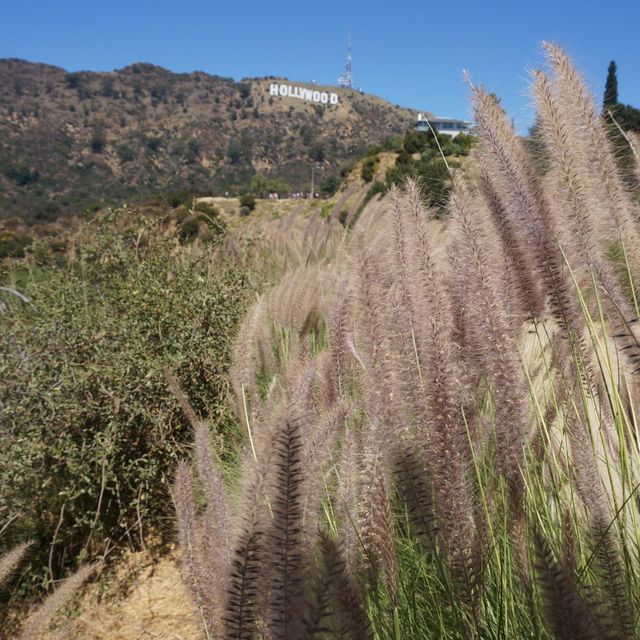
<point>302,93</point>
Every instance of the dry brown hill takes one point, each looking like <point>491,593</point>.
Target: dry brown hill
<point>71,141</point>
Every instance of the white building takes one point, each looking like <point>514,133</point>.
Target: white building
<point>448,126</point>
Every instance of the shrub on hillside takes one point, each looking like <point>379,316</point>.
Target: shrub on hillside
<point>449,148</point>
<point>125,152</point>
<point>262,185</point>
<point>373,150</point>
<point>464,142</point>
<point>392,143</point>
<point>189,228</point>
<point>416,141</point>
<point>207,208</point>
<point>177,198</point>
<point>13,245</point>
<point>90,432</point>
<point>346,169</point>
<point>98,142</point>
<point>206,226</point>
<point>73,80</point>
<point>368,168</point>
<point>248,200</point>
<point>329,185</point>
<point>21,174</point>
<point>153,144</point>
<point>376,187</point>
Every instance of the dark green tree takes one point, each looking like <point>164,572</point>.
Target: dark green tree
<point>611,87</point>
<point>98,141</point>
<point>330,185</point>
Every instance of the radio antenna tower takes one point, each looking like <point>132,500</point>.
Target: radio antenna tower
<point>346,79</point>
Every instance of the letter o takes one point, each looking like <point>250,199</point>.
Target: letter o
<point>324,98</point>
<point>316,96</point>
<point>283,90</point>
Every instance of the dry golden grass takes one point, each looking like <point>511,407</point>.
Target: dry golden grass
<point>155,606</point>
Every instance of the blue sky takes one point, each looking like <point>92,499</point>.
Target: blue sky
<point>411,53</point>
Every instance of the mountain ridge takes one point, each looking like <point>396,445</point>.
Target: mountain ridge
<point>76,140</point>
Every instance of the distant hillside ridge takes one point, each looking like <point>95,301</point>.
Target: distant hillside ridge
<point>72,141</point>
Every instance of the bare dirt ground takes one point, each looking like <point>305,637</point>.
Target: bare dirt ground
<point>155,605</point>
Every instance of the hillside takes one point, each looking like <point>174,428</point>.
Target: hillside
<point>71,141</point>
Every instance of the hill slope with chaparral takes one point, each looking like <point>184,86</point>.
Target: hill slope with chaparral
<point>72,141</point>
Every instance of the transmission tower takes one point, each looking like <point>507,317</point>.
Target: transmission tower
<point>346,79</point>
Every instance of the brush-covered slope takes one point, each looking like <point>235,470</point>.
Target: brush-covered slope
<point>69,141</point>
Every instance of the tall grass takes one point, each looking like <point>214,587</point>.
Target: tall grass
<point>440,418</point>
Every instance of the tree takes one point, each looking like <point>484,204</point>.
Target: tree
<point>98,141</point>
<point>244,89</point>
<point>317,153</point>
<point>329,185</point>
<point>234,153</point>
<point>611,87</point>
<point>261,185</point>
<point>628,117</point>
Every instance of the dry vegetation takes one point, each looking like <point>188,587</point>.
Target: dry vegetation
<point>439,417</point>
<point>440,426</point>
<point>73,141</point>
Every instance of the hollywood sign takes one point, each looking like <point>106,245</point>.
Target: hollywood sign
<point>302,93</point>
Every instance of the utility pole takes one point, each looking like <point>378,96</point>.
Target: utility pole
<point>313,176</point>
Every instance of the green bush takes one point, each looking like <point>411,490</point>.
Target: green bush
<point>392,143</point>
<point>424,142</point>
<point>248,200</point>
<point>234,153</point>
<point>346,169</point>
<point>432,175</point>
<point>206,226</point>
<point>627,117</point>
<point>416,141</point>
<point>98,142</point>
<point>46,211</point>
<point>436,182</point>
<point>373,150</point>
<point>207,208</point>
<point>450,148</point>
<point>329,185</point>
<point>192,151</point>
<point>73,80</point>
<point>189,228</point>
<point>177,198</point>
<point>317,152</point>
<point>13,245</point>
<point>153,144</point>
<point>262,185</point>
<point>376,187</point>
<point>428,154</point>
<point>368,168</point>
<point>244,89</point>
<point>90,432</point>
<point>325,210</point>
<point>125,152</point>
<point>404,158</point>
<point>464,143</point>
<point>21,174</point>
